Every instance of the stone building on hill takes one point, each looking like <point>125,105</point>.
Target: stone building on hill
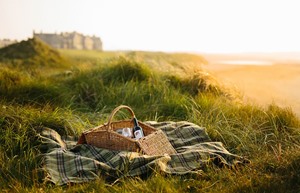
<point>71,40</point>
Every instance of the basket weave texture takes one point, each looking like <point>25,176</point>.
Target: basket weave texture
<point>156,143</point>
<point>105,136</point>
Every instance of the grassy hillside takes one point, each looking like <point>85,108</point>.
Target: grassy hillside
<point>167,62</point>
<point>32,53</point>
<point>83,94</point>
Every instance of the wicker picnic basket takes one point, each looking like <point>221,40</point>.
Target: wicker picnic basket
<point>105,136</point>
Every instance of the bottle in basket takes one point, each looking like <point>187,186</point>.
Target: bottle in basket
<point>137,130</point>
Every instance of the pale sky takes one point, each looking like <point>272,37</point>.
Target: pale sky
<point>162,25</point>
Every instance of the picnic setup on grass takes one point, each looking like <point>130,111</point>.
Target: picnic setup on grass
<point>128,148</point>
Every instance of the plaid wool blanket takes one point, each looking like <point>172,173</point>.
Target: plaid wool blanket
<point>65,162</point>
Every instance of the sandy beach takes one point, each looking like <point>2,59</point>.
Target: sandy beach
<point>262,84</point>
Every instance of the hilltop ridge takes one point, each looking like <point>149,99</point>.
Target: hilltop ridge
<point>32,52</point>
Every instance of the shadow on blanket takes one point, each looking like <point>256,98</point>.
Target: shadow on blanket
<point>66,162</point>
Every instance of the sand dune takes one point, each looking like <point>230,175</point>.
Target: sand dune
<point>263,84</point>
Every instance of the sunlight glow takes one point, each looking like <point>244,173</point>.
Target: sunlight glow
<point>194,25</point>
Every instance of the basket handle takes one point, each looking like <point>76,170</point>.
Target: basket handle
<point>115,111</point>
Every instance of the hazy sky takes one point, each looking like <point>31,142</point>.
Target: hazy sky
<point>162,25</point>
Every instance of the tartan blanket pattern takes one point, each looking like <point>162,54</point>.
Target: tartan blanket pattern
<point>66,162</point>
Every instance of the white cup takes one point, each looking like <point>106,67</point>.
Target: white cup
<point>127,132</point>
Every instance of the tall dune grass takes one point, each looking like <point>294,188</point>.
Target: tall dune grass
<point>71,103</point>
